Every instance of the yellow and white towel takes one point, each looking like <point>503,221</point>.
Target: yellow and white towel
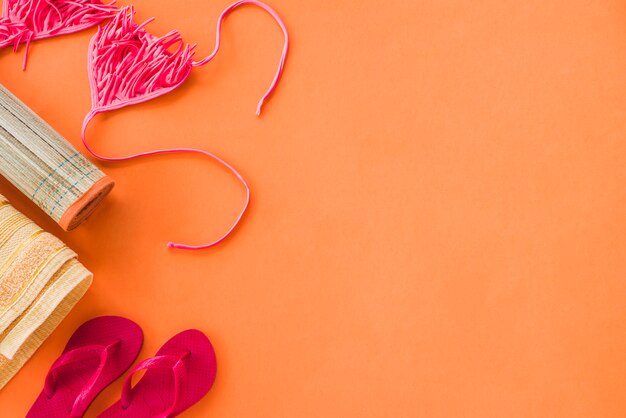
<point>40,282</point>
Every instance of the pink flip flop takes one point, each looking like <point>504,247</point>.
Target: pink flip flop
<point>97,353</point>
<point>180,374</point>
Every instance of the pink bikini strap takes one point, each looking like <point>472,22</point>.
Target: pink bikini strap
<point>283,56</point>
<point>90,116</point>
<point>173,363</point>
<point>74,356</point>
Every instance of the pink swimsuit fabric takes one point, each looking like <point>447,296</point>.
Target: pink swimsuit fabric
<point>23,21</point>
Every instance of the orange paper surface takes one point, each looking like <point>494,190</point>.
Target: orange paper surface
<point>438,216</point>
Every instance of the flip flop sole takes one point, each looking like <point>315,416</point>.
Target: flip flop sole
<point>154,393</point>
<point>101,331</point>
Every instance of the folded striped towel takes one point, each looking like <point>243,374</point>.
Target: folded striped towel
<point>40,282</point>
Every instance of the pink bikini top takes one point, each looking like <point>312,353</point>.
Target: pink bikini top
<point>127,64</point>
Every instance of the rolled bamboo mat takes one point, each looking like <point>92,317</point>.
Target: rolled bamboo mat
<point>45,167</point>
<point>40,282</point>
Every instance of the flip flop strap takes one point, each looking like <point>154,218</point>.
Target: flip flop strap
<point>75,356</point>
<point>173,363</point>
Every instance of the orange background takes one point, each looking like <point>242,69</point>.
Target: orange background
<point>438,216</point>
